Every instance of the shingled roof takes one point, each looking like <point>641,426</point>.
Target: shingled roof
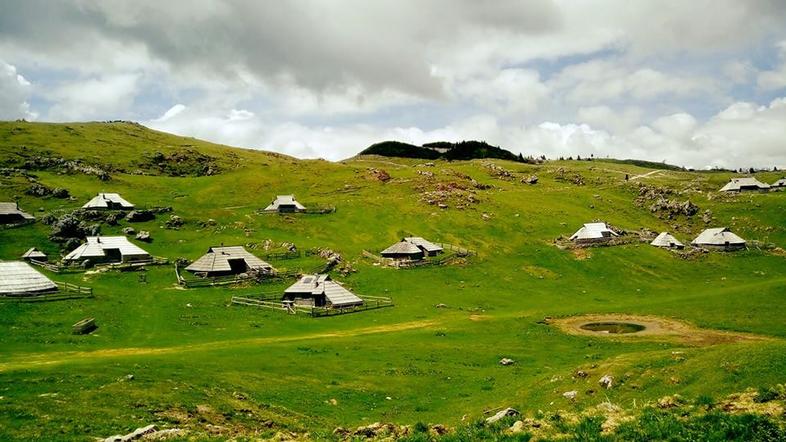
<point>33,253</point>
<point>719,236</point>
<point>96,245</point>
<point>428,246</point>
<point>593,231</point>
<point>746,183</point>
<point>13,209</point>
<point>402,247</point>
<point>19,278</point>
<point>217,260</point>
<point>321,284</point>
<point>666,239</point>
<point>108,201</point>
<point>284,201</point>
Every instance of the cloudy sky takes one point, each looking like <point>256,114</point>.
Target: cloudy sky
<point>697,83</point>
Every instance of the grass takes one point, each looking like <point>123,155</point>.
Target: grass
<point>190,348</point>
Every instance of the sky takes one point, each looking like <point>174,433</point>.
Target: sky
<point>698,83</point>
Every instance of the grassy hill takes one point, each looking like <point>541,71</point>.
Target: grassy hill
<point>219,370</point>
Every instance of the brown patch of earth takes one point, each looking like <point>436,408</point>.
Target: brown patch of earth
<point>581,254</point>
<point>655,328</point>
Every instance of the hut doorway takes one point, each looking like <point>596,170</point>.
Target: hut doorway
<point>237,265</point>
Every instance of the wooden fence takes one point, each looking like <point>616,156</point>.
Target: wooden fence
<point>323,210</point>
<point>63,268</point>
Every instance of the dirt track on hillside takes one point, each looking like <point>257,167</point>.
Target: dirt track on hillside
<point>55,358</point>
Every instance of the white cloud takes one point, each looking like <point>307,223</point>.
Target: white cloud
<point>14,93</point>
<point>108,97</point>
<point>776,78</point>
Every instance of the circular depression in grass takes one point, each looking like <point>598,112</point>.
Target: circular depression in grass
<point>613,327</point>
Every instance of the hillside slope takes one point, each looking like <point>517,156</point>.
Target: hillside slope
<point>221,371</point>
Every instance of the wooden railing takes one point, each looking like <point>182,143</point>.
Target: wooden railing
<point>67,287</point>
<point>274,302</point>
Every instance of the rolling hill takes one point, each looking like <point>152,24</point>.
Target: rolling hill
<point>189,359</point>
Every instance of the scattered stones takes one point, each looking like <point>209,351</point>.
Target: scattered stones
<point>581,374</point>
<point>532,179</point>
<point>498,171</point>
<point>129,231</point>
<point>174,222</point>
<point>506,361</point>
<point>66,166</point>
<point>606,381</point>
<point>143,235</point>
<point>379,174</point>
<point>39,190</point>
<point>136,434</point>
<point>573,178</point>
<point>570,395</point>
<point>502,414</point>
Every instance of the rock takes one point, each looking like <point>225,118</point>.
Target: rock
<point>517,427</point>
<point>707,216</point>
<point>441,306</point>
<point>506,361</point>
<point>438,430</point>
<point>670,401</point>
<point>136,434</point>
<point>581,374</point>
<point>59,192</point>
<point>128,377</point>
<point>129,230</point>
<point>606,381</point>
<point>571,395</point>
<point>174,222</point>
<point>532,179</point>
<point>138,216</point>
<point>143,235</point>
<point>502,414</point>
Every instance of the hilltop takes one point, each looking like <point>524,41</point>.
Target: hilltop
<point>464,150</point>
<point>188,358</point>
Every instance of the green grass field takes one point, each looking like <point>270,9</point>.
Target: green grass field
<point>201,363</point>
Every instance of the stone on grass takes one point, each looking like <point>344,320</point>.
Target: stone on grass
<point>606,381</point>
<point>502,414</point>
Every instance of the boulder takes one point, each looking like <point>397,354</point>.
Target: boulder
<point>143,235</point>
<point>174,222</point>
<point>502,414</point>
<point>140,215</point>
<point>506,361</point>
<point>129,231</point>
<point>517,427</point>
<point>570,395</point>
<point>606,381</point>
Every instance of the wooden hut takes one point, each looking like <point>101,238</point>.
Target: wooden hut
<point>744,184</point>
<point>19,278</point>
<point>320,291</point>
<point>285,204</point>
<point>34,254</point>
<point>107,249</point>
<point>412,247</point>
<point>667,241</point>
<point>108,201</point>
<point>719,238</point>
<point>593,232</point>
<point>11,214</point>
<point>225,261</point>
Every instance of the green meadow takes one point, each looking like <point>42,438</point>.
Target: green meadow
<point>201,363</point>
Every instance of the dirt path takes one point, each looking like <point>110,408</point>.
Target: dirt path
<point>645,175</point>
<point>47,359</point>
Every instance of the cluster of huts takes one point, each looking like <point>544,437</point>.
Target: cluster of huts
<point>19,278</point>
<point>718,238</point>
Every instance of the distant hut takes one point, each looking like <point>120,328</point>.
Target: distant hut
<point>321,291</point>
<point>107,249</point>
<point>285,204</point>
<point>11,214</point>
<point>225,261</point>
<point>18,278</point>
<point>781,183</point>
<point>593,232</point>
<point>719,238</point>
<point>667,241</point>
<point>108,201</point>
<point>34,254</point>
<point>744,184</point>
<point>412,247</point>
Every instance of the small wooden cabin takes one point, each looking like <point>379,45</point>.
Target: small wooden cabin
<point>285,204</point>
<point>107,249</point>
<point>108,201</point>
<point>320,291</point>
<point>11,214</point>
<point>226,261</point>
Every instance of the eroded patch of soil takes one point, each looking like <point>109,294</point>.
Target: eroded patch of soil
<point>655,328</point>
